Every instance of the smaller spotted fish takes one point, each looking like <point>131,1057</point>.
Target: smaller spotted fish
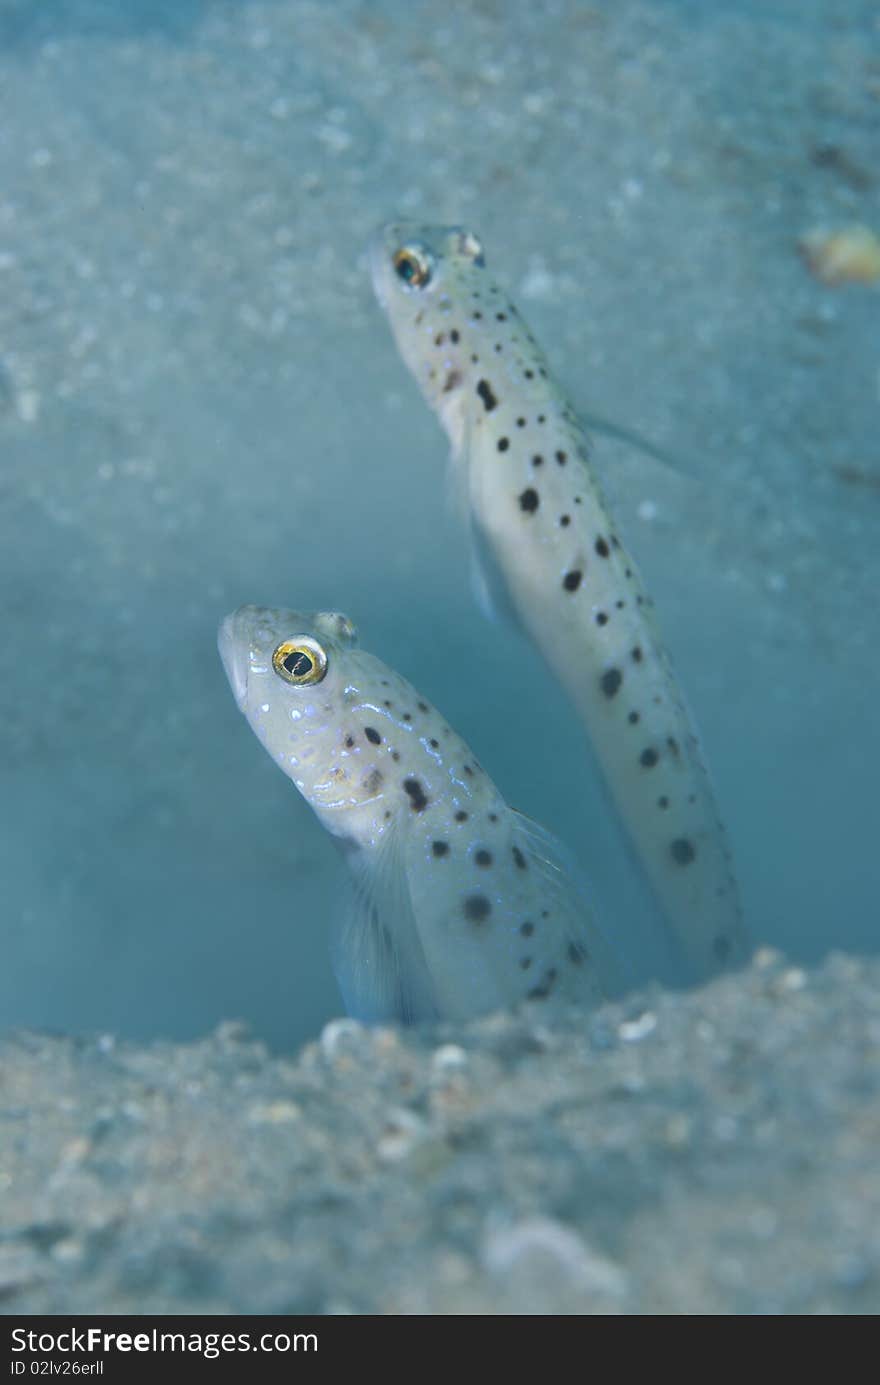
<point>462,905</point>
<point>548,552</point>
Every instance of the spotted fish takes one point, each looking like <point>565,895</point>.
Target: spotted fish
<point>550,550</point>
<point>462,905</point>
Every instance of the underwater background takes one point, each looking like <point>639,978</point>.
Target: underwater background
<point>201,405</point>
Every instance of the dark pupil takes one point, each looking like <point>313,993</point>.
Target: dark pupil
<point>407,268</point>
<point>298,664</point>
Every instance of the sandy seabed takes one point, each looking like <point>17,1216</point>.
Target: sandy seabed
<point>708,1153</point>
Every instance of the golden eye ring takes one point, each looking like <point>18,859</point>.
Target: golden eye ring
<point>300,661</point>
<point>413,266</point>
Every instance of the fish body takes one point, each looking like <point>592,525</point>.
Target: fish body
<point>550,551</point>
<point>461,904</point>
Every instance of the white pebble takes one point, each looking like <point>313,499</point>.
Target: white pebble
<point>448,1056</point>
<point>631,1031</point>
<point>341,1035</point>
<point>541,1244</point>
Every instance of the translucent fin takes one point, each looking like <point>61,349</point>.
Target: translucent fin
<point>487,580</point>
<point>571,901</point>
<point>594,423</point>
<point>377,956</point>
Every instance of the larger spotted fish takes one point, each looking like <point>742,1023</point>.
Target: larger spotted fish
<point>462,905</point>
<point>549,547</point>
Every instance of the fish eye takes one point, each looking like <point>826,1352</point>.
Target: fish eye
<point>413,266</point>
<point>300,661</point>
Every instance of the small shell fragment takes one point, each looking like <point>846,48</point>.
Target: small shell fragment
<point>847,256</point>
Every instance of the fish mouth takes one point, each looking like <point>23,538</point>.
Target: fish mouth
<point>235,654</point>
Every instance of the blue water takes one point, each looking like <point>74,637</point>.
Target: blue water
<point>200,406</point>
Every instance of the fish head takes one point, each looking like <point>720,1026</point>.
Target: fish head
<point>428,281</point>
<point>292,675</point>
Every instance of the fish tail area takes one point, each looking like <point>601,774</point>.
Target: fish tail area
<point>650,754</point>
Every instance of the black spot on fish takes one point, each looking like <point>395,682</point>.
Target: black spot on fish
<point>418,799</point>
<point>637,655</point>
<point>649,757</point>
<point>537,460</point>
<point>519,859</point>
<point>527,929</point>
<point>663,803</point>
<point>633,718</point>
<point>525,963</point>
<point>565,520</point>
<point>674,748</point>
<point>422,706</point>
<point>453,336</point>
<point>601,618</point>
<point>483,857</point>
<point>577,954</point>
<point>440,848</point>
<point>682,851</point>
<point>610,682</point>
<point>461,816</point>
<point>484,390</point>
<point>349,741</point>
<point>562,458</point>
<point>529,501</point>
<point>372,734</point>
<point>520,423</point>
<point>433,744</point>
<point>602,548</point>
<point>572,580</point>
<point>477,908</point>
<point>373,781</point>
<point>452,381</point>
<point>503,444</point>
